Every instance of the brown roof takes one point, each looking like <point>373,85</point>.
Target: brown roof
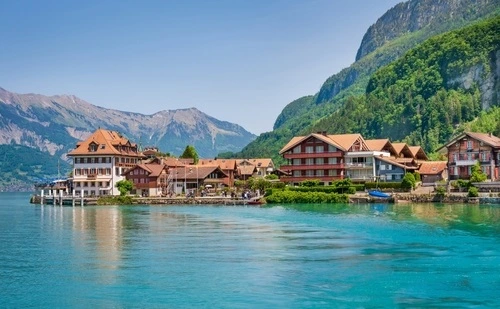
<point>326,138</point>
<point>347,140</point>
<point>486,138</point>
<point>224,164</point>
<point>196,172</point>
<point>432,167</point>
<point>391,161</point>
<point>260,162</point>
<point>152,169</point>
<point>418,153</point>
<point>293,142</point>
<point>246,169</point>
<point>489,139</point>
<point>107,143</point>
<point>377,144</point>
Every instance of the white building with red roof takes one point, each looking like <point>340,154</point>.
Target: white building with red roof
<point>100,161</point>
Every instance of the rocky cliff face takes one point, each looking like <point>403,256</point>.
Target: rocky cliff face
<point>487,78</point>
<point>415,15</point>
<point>54,124</point>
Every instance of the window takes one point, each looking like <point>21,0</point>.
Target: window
<point>108,171</point>
<point>332,160</point>
<point>332,148</point>
<point>117,171</point>
<point>320,161</point>
<point>332,172</point>
<point>309,161</point>
<point>296,174</point>
<point>469,144</point>
<point>320,148</point>
<point>296,162</point>
<point>309,172</point>
<point>92,147</point>
<point>309,149</point>
<point>320,173</point>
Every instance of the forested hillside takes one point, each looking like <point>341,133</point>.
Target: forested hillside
<point>303,114</point>
<point>19,163</point>
<point>424,97</point>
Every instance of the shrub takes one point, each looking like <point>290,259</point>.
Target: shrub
<point>288,196</point>
<point>408,181</point>
<point>310,183</point>
<point>473,192</point>
<point>440,191</point>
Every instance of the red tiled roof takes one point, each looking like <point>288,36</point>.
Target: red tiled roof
<point>377,144</point>
<point>432,167</point>
<point>107,143</point>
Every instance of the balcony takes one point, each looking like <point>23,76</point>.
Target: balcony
<point>358,165</point>
<point>304,167</point>
<point>91,176</point>
<point>304,155</point>
<point>463,162</point>
<point>302,178</point>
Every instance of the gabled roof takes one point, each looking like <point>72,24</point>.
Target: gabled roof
<point>432,167</point>
<point>152,169</point>
<point>402,149</point>
<point>299,139</point>
<point>196,172</point>
<point>486,138</point>
<point>377,144</point>
<point>224,164</point>
<point>246,169</point>
<point>391,161</point>
<point>346,141</point>
<point>418,153</point>
<point>261,162</point>
<point>107,143</point>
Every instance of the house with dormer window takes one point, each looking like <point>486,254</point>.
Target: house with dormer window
<point>469,148</point>
<point>100,161</point>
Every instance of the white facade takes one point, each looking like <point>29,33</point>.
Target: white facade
<point>98,175</point>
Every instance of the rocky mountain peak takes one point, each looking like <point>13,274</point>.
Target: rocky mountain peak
<point>414,15</point>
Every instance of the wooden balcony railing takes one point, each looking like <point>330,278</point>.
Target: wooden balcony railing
<point>304,155</point>
<point>304,167</point>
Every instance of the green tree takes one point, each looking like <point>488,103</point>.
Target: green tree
<point>271,177</point>
<point>408,181</point>
<point>190,153</point>
<point>310,183</point>
<point>477,174</point>
<point>124,186</point>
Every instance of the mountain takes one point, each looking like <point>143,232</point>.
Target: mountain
<point>53,125</point>
<point>432,92</point>
<point>401,28</point>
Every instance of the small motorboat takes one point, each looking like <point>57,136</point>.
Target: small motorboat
<point>378,194</point>
<point>257,201</point>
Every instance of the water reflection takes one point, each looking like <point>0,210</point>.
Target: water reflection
<point>468,217</point>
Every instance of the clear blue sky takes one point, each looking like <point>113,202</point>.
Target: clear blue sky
<point>238,61</point>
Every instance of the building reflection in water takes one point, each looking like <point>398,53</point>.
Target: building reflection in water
<point>98,234</point>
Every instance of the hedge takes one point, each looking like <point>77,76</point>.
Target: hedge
<point>383,185</point>
<point>289,196</point>
<point>325,189</point>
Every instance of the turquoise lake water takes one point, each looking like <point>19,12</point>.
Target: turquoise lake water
<point>300,256</point>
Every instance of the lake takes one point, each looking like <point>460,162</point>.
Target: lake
<point>286,256</point>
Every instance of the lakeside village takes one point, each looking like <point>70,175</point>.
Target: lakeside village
<point>110,169</point>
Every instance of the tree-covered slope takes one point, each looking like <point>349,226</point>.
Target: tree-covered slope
<point>423,97</point>
<point>300,115</point>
